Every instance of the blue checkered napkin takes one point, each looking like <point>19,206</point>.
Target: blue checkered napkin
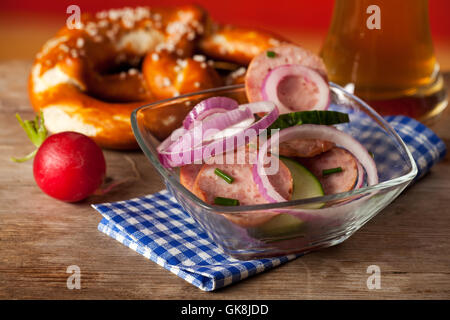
<point>157,227</point>
<point>425,146</point>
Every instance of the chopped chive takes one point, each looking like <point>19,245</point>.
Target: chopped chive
<point>371,154</point>
<point>226,201</point>
<point>223,175</point>
<point>331,171</point>
<point>271,54</point>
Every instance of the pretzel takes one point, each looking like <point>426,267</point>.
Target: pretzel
<point>90,79</point>
<point>76,79</point>
<point>168,76</point>
<point>237,44</point>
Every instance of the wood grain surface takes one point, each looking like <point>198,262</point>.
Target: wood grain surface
<point>40,237</point>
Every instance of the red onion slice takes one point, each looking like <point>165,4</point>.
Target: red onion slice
<point>188,146</point>
<point>294,87</point>
<point>208,107</point>
<point>309,131</point>
<point>360,181</point>
<point>214,127</point>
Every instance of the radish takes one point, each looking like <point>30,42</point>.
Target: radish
<point>68,166</point>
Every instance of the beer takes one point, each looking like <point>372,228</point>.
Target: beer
<point>383,51</point>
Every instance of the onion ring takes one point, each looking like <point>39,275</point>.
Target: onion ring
<point>311,131</point>
<point>319,96</point>
<point>207,107</point>
<point>187,146</point>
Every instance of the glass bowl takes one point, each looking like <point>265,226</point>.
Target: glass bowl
<point>267,230</point>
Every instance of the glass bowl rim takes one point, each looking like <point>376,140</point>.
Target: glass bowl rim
<point>247,208</point>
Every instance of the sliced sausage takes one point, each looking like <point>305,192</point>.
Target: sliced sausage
<point>188,173</point>
<point>208,185</point>
<point>336,182</point>
<point>304,148</point>
<point>261,65</point>
<point>244,155</point>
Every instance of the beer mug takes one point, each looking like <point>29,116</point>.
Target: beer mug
<point>382,51</point>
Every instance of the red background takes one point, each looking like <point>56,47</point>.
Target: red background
<point>304,15</point>
<point>26,24</point>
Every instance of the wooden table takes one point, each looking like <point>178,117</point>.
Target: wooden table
<point>40,237</point>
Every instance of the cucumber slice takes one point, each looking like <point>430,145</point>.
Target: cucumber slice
<point>306,185</point>
<point>281,227</point>
<point>324,117</point>
<point>285,226</point>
